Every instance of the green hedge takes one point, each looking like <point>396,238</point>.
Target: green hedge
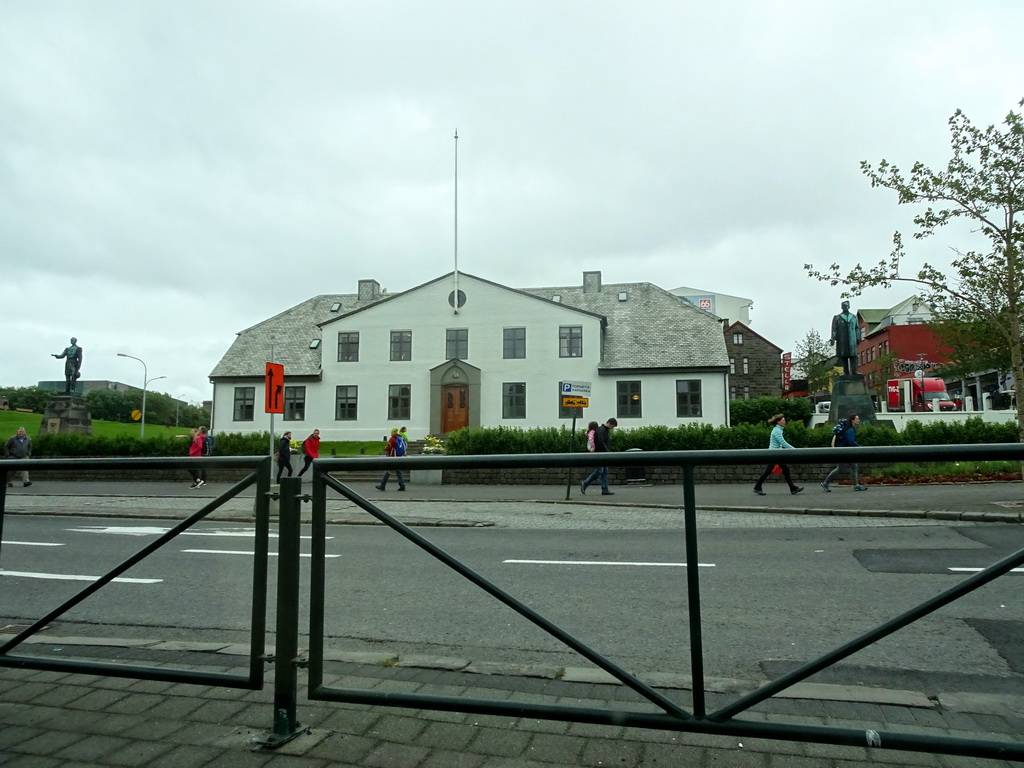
<point>488,441</point>
<point>495,440</point>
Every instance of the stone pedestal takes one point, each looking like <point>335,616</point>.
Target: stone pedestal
<point>66,414</point>
<point>850,395</point>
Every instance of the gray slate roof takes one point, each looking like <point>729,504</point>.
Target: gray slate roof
<point>651,329</point>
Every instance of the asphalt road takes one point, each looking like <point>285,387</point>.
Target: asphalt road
<point>773,593</point>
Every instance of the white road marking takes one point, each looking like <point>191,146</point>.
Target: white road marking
<point>73,577</point>
<point>34,543</point>
<point>976,570</point>
<point>604,562</point>
<point>238,552</point>
<point>116,530</point>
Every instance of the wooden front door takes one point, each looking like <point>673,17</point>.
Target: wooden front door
<point>454,407</point>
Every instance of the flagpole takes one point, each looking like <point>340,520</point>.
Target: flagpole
<point>455,303</point>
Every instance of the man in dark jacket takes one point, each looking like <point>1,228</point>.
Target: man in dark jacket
<point>19,447</point>
<point>847,438</point>
<point>601,446</point>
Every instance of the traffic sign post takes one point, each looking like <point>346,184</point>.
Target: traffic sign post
<point>575,395</point>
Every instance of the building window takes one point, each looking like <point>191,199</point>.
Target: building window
<point>732,366</point>
<point>348,347</point>
<point>746,393</point>
<point>746,366</point>
<point>732,393</point>
<point>346,402</point>
<point>401,345</point>
<point>627,400</point>
<point>294,403</point>
<point>737,337</point>
<point>688,398</point>
<point>513,400</point>
<point>457,343</point>
<point>245,403</point>
<point>399,401</point>
<point>570,341</point>
<point>514,346</point>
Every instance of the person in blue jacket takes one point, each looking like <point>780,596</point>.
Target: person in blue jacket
<point>846,439</point>
<point>777,440</point>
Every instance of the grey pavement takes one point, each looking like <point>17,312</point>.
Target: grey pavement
<point>61,719</point>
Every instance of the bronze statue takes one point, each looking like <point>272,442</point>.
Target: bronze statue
<point>845,335</point>
<point>72,365</point>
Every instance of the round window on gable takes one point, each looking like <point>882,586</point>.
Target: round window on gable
<point>462,299</point>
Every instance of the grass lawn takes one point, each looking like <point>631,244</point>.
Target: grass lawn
<point>11,420</point>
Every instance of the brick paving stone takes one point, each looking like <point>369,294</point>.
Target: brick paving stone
<point>135,703</point>
<point>151,686</point>
<point>444,736</point>
<point>796,761</point>
<point>893,716</point>
<point>111,724</point>
<point>395,756</point>
<point>397,728</point>
<point>137,753</point>
<point>500,742</point>
<point>12,735</point>
<point>996,724</point>
<point>98,700</point>
<point>611,752</point>
<point>200,734</point>
<point>596,730</point>
<point>344,747</point>
<point>352,721</point>
<point>33,761</point>
<point>60,695</point>
<point>556,748</point>
<point>174,708</point>
<point>442,758</point>
<point>47,743</point>
<point>27,692</point>
<point>218,711</point>
<point>736,758</point>
<point>187,756</point>
<point>45,676</point>
<point>962,761</point>
<point>543,726</point>
<point>836,752</point>
<point>92,747</point>
<point>28,714</point>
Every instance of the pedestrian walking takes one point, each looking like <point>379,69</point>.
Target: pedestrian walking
<point>600,446</point>
<point>284,455</point>
<point>19,446</point>
<point>845,437</point>
<point>396,446</point>
<point>777,441</point>
<point>310,450</point>
<point>196,450</point>
<point>591,430</point>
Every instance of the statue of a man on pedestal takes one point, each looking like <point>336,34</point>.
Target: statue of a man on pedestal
<point>72,366</point>
<point>845,335</point>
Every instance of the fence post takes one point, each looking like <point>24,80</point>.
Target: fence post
<point>286,651</point>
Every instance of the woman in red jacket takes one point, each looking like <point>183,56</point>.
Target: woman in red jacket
<point>311,450</point>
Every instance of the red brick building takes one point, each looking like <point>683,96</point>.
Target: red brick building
<point>904,332</point>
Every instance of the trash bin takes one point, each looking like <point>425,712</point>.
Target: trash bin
<point>637,474</point>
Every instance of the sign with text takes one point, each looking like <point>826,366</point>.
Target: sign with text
<point>581,388</point>
<point>274,400</point>
<point>572,401</point>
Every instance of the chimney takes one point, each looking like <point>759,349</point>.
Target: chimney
<point>591,282</point>
<point>369,290</point>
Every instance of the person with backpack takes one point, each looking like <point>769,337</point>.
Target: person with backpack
<point>396,446</point>
<point>196,450</point>
<point>600,446</point>
<point>844,434</point>
<point>777,440</point>
<point>310,450</point>
<point>284,455</point>
<point>591,430</point>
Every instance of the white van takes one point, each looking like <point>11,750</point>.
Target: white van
<point>823,406</point>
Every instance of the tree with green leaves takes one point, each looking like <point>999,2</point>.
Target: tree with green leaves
<point>813,358</point>
<point>982,184</point>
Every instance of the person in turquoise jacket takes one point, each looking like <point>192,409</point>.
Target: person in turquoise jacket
<point>777,440</point>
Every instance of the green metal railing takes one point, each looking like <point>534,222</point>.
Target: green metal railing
<point>259,476</point>
<point>287,660</point>
<point>723,721</point>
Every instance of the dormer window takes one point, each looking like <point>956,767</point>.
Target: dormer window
<point>314,344</point>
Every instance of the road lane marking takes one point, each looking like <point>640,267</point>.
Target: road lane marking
<point>978,570</point>
<point>141,530</point>
<point>74,577</point>
<point>238,552</point>
<point>605,562</point>
<point>33,543</point>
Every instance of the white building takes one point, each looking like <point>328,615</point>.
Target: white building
<point>358,364</point>
<point>731,309</point>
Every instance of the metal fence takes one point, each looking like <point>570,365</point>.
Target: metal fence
<point>726,720</point>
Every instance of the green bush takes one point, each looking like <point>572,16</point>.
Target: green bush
<point>760,409</point>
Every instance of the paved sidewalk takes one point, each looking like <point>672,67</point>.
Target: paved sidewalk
<point>57,719</point>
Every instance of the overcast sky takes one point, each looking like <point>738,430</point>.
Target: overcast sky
<point>174,172</point>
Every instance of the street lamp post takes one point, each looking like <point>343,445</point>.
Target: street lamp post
<point>145,384</point>
<point>177,411</point>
